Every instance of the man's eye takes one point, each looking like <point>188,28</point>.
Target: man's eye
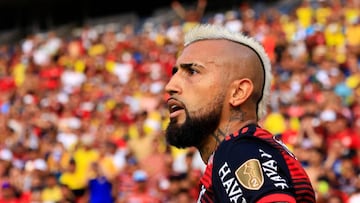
<point>192,71</point>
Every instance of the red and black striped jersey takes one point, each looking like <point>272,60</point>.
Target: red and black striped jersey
<point>252,166</point>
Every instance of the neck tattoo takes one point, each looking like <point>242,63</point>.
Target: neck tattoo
<point>237,115</point>
<point>219,136</point>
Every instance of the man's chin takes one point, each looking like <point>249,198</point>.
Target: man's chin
<point>183,131</point>
<point>177,137</point>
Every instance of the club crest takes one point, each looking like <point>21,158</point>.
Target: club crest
<point>250,175</point>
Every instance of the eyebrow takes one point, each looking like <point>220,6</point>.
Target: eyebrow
<point>189,65</point>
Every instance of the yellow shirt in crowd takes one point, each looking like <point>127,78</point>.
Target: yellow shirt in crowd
<point>53,194</point>
<point>305,15</point>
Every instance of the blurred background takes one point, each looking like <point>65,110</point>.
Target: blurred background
<point>82,101</point>
<point>20,17</point>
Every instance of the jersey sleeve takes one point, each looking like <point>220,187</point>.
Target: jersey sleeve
<point>249,170</point>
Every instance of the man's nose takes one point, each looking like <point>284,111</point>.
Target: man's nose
<point>173,87</point>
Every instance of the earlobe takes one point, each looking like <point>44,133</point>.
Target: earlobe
<point>242,89</point>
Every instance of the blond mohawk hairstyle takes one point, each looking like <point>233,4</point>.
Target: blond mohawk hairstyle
<point>209,31</point>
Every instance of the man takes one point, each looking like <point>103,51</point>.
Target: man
<point>217,94</point>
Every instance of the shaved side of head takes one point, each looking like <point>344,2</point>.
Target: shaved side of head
<point>248,65</point>
<point>246,55</point>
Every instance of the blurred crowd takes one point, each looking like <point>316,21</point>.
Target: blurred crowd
<point>82,117</point>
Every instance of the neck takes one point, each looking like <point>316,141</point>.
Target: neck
<point>208,147</point>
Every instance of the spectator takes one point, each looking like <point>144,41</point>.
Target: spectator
<point>100,189</point>
<point>67,178</point>
<point>52,191</point>
<point>142,193</point>
<point>191,16</point>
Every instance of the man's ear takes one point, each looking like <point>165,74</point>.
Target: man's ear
<point>241,91</point>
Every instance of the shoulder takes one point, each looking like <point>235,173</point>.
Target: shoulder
<point>246,147</point>
<point>252,164</point>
